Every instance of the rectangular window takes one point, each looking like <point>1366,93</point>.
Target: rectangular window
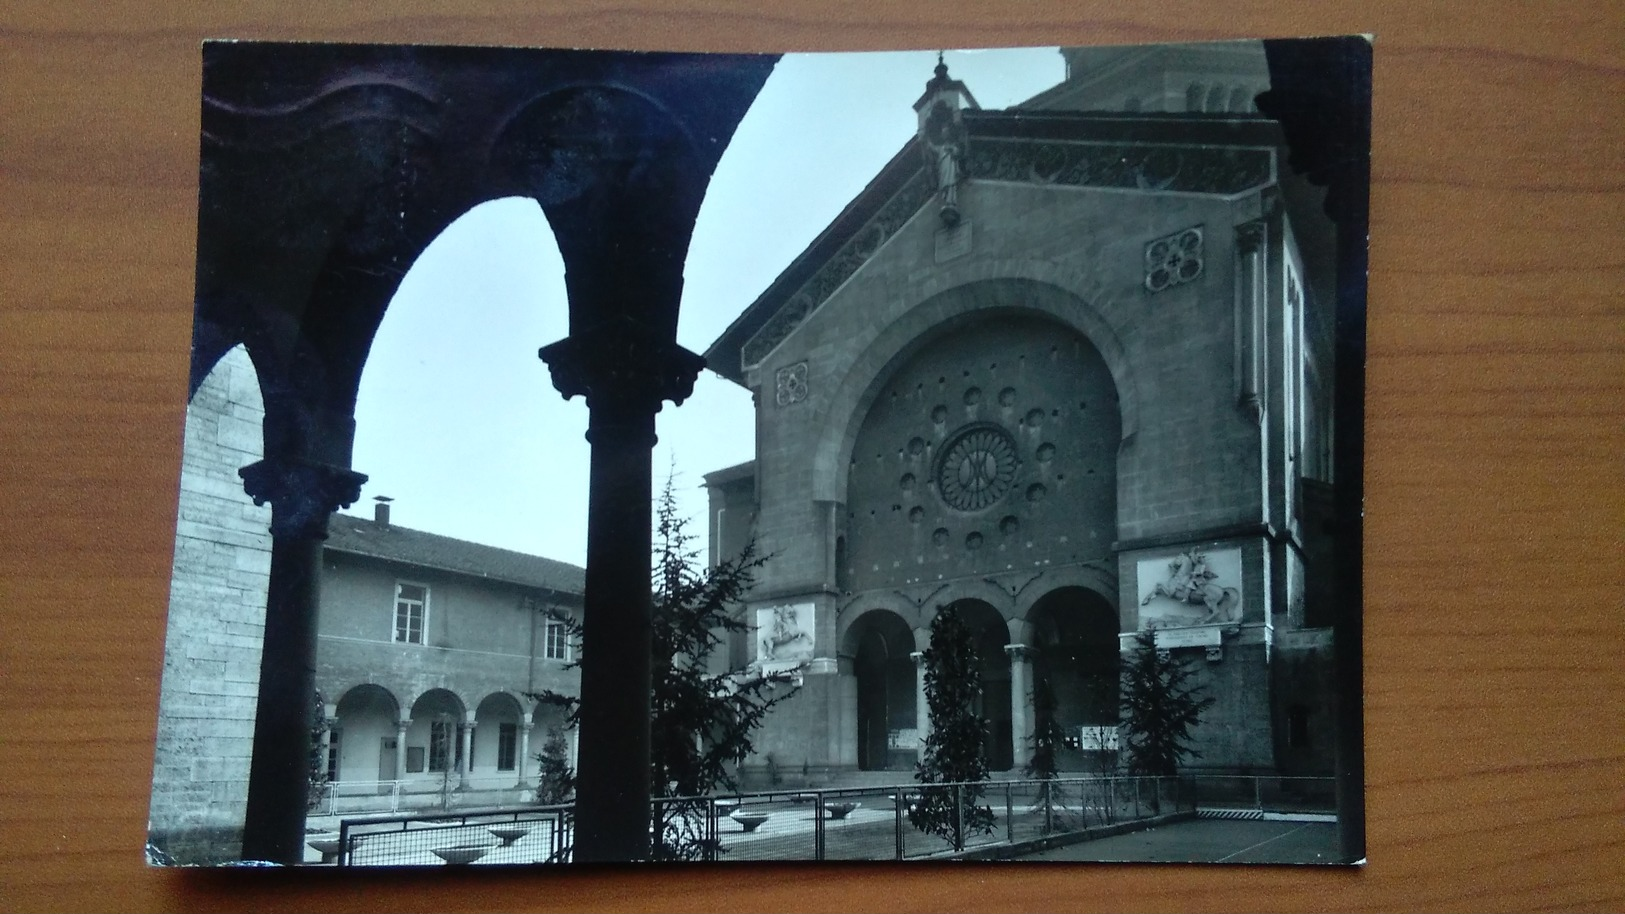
<point>558,640</point>
<point>414,759</point>
<point>507,746</point>
<point>333,737</point>
<point>411,612</point>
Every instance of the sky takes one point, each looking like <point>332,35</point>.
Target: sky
<point>457,419</point>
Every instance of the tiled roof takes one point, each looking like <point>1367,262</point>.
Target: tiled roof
<point>358,536</point>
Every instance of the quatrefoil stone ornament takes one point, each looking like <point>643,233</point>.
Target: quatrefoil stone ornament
<point>791,382</point>
<point>1173,260</point>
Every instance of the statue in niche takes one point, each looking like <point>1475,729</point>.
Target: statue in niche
<point>1192,582</point>
<point>943,136</point>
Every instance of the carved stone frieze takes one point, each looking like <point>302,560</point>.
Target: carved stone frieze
<point>838,269</point>
<point>1187,169</point>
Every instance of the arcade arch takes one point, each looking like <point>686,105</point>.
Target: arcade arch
<point>496,746</point>
<point>881,643</point>
<point>436,740</point>
<point>364,734</point>
<point>1074,633</point>
<point>990,632</point>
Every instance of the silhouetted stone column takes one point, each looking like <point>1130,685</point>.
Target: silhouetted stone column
<point>401,726</point>
<point>303,494</point>
<point>625,372</point>
<point>465,764</point>
<point>922,706</point>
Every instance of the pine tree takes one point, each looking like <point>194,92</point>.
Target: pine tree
<point>1047,740</point>
<point>555,781</point>
<point>1160,707</point>
<point>701,722</point>
<point>954,750</point>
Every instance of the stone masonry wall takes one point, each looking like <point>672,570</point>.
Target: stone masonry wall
<point>216,625</point>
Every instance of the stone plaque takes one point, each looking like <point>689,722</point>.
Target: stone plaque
<point>1192,636</point>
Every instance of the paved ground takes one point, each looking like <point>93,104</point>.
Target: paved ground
<point>1209,841</point>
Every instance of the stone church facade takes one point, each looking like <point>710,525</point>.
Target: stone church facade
<point>1065,368</point>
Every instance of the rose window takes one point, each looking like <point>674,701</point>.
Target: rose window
<point>977,467</point>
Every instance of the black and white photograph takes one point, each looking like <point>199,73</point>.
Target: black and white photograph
<point>937,454</point>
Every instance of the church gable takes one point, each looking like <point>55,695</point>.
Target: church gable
<point>1224,157</point>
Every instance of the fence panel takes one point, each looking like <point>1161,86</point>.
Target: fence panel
<point>872,823</point>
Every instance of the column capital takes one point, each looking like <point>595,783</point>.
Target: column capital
<point>1020,653</point>
<point>303,493</point>
<point>622,365</point>
<point>527,725</point>
<point>918,657</point>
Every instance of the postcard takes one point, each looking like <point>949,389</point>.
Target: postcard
<point>631,456</point>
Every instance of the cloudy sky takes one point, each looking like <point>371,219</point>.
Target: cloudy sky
<point>457,418</point>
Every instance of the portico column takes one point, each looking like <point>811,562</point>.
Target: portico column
<point>1021,702</point>
<point>466,763</point>
<point>329,717</point>
<point>922,706</point>
<point>401,726</point>
<point>303,494</point>
<point>625,371</point>
<point>524,749</point>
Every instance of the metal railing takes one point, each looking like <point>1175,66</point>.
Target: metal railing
<point>513,836</point>
<point>856,823</point>
<point>340,798</point>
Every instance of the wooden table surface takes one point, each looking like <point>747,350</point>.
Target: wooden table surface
<point>1494,510</point>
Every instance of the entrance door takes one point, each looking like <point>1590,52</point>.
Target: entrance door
<point>386,762</point>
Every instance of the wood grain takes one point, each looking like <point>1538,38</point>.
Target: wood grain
<point>1496,752</point>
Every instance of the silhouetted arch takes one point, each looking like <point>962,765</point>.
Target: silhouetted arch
<point>1075,634</point>
<point>989,631</point>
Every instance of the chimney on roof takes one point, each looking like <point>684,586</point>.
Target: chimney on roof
<point>380,510</point>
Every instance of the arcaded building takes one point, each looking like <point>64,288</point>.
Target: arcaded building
<point>1066,368</point>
